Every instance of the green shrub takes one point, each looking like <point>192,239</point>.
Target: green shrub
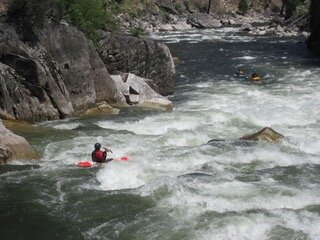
<point>291,6</point>
<point>243,6</point>
<point>303,8</point>
<point>89,16</point>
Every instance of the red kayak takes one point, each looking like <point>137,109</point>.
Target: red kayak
<point>87,164</point>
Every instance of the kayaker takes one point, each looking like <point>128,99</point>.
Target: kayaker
<point>240,72</point>
<point>100,154</point>
<point>255,77</point>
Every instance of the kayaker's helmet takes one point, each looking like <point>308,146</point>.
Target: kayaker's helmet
<point>97,146</point>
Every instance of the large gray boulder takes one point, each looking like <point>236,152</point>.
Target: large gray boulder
<point>138,92</point>
<point>143,57</point>
<point>14,147</point>
<point>203,20</point>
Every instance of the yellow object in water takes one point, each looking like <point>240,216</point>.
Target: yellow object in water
<point>256,78</point>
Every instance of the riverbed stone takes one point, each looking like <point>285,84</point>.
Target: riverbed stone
<point>267,134</point>
<point>102,109</point>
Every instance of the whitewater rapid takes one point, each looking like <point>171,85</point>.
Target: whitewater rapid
<point>225,190</point>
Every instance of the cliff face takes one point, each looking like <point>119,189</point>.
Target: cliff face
<point>50,71</point>
<point>52,77</point>
<point>314,39</point>
<point>142,57</point>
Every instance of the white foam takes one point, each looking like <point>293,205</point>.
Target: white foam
<point>246,58</point>
<point>67,126</point>
<point>120,175</point>
<point>150,125</point>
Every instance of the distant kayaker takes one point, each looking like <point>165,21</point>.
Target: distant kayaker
<point>100,154</point>
<point>255,77</point>
<point>240,72</point>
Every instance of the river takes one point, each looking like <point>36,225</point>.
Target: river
<point>175,185</point>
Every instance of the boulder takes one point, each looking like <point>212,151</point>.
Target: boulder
<point>14,147</point>
<point>5,154</point>
<point>102,109</point>
<point>202,20</point>
<point>157,104</point>
<point>266,134</point>
<point>141,56</point>
<point>138,92</point>
<point>165,27</point>
<point>181,25</point>
<point>246,27</point>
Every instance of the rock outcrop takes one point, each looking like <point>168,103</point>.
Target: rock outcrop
<point>142,57</point>
<point>31,87</point>
<point>138,92</point>
<point>266,134</point>
<point>84,74</point>
<point>59,72</point>
<point>14,147</point>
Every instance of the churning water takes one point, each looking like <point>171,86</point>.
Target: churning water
<point>175,186</point>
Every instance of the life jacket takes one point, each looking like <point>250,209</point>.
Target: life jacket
<point>98,156</point>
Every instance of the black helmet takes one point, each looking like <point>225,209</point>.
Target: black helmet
<point>97,146</point>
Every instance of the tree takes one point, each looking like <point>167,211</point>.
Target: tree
<point>282,7</point>
<point>209,6</point>
<point>243,6</point>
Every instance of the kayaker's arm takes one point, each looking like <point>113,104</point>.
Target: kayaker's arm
<point>108,150</point>
<point>108,160</point>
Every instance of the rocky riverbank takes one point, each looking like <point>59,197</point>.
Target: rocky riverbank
<point>263,18</point>
<point>53,71</point>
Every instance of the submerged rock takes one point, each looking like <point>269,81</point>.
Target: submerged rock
<point>14,147</point>
<point>157,104</point>
<point>266,134</point>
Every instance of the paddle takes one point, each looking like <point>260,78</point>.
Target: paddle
<point>121,159</point>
